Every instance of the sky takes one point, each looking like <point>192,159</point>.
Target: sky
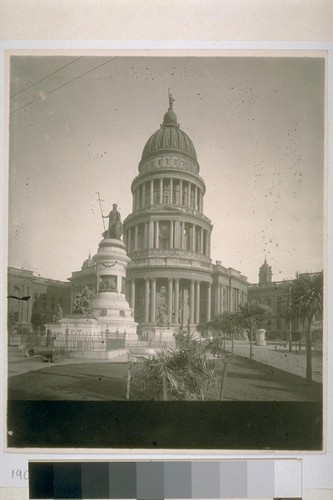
<point>78,126</point>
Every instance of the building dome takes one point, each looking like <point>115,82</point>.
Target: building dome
<point>169,137</point>
<point>166,138</point>
<point>88,263</point>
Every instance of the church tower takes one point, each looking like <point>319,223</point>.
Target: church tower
<point>167,235</point>
<point>265,274</point>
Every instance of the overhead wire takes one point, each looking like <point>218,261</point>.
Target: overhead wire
<point>63,85</point>
<point>47,76</point>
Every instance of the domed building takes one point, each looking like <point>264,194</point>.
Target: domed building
<point>171,278</point>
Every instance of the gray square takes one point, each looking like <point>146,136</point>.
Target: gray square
<point>205,480</point>
<point>233,477</point>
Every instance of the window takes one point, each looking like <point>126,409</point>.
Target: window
<point>164,235</point>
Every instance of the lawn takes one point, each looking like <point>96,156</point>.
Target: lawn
<point>246,381</point>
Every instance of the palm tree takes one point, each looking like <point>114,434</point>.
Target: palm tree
<point>194,376</point>
<point>250,317</point>
<point>182,373</point>
<point>306,304</point>
<point>154,375</point>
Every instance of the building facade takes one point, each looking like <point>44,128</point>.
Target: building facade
<point>43,296</point>
<point>272,294</point>
<point>275,294</point>
<point>171,278</point>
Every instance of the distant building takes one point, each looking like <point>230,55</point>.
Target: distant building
<point>44,296</point>
<point>275,294</point>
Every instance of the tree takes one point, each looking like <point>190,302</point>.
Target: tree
<point>225,323</point>
<point>37,321</point>
<point>216,347</point>
<point>250,317</point>
<point>306,304</point>
<point>181,373</point>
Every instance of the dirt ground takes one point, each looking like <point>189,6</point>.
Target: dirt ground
<point>246,381</point>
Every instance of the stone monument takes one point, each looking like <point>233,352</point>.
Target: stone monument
<point>110,306</point>
<point>102,324</point>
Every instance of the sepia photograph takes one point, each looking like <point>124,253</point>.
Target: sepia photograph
<point>166,241</point>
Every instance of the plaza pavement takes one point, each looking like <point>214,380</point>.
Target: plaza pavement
<point>279,357</point>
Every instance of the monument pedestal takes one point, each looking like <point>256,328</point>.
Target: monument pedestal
<point>110,327</point>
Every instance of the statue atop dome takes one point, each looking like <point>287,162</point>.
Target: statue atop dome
<point>115,229</point>
<point>171,100</point>
<point>170,117</point>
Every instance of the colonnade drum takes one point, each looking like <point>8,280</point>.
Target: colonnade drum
<point>171,279</point>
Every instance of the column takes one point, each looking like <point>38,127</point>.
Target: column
<point>171,192</point>
<point>152,192</point>
<point>132,295</point>
<point>201,201</point>
<point>133,204</point>
<point>180,192</point>
<point>151,234</point>
<point>221,298</point>
<point>192,302</point>
<point>171,234</point>
<point>195,197</point>
<point>170,280</point>
<point>137,199</point>
<point>201,241</point>
<point>184,236</point>
<point>218,299</point>
<point>207,244</point>
<point>143,204</point>
<point>193,238</point>
<point>146,300</point>
<point>161,191</point>
<point>197,302</point>
<point>153,301</point>
<point>189,194</point>
<point>230,298</point>
<point>209,301</point>
<point>136,232</point>
<point>157,234</point>
<point>129,240</point>
<point>177,234</point>
<point>145,236</point>
<point>177,300</point>
<point>181,235</point>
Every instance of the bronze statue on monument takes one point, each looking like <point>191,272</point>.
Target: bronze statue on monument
<point>115,229</point>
